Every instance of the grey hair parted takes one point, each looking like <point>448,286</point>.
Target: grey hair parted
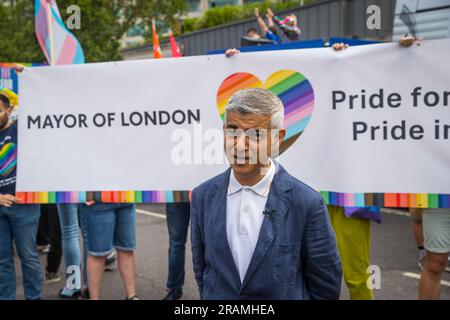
<point>257,101</point>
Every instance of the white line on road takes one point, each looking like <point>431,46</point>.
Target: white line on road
<point>395,211</point>
<point>163,216</point>
<point>417,276</point>
<point>151,214</point>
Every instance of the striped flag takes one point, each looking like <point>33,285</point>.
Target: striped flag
<point>58,44</point>
<point>157,54</point>
<point>174,46</point>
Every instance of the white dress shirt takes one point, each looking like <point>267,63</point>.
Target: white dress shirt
<point>245,206</point>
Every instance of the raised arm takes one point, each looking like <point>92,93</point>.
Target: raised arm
<point>261,23</point>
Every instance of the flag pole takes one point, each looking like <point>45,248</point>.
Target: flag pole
<point>50,33</point>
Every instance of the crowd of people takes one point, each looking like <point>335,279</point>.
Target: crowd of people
<point>299,249</point>
<point>276,30</point>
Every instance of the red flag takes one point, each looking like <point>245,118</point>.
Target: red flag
<point>157,54</point>
<point>174,46</point>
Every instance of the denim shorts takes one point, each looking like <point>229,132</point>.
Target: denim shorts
<point>110,226</point>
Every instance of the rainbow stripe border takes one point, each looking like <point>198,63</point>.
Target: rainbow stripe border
<point>25,64</point>
<point>395,200</point>
<point>105,197</point>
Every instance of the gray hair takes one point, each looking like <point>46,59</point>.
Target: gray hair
<point>257,101</point>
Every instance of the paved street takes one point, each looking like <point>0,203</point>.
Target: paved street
<point>393,250</point>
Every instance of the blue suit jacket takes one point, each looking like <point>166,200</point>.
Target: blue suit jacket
<point>295,256</point>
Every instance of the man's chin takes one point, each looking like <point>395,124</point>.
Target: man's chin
<point>244,169</point>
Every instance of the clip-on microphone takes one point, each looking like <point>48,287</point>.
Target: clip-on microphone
<point>268,213</point>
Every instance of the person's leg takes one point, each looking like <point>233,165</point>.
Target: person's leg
<point>125,244</point>
<point>55,254</point>
<point>68,217</point>
<point>436,227</point>
<point>127,269</point>
<point>416,216</point>
<point>24,224</point>
<point>83,226</point>
<point>430,281</point>
<point>417,229</point>
<point>7,269</point>
<point>178,215</point>
<point>95,266</point>
<point>110,261</point>
<point>100,225</point>
<point>353,241</point>
<point>43,234</point>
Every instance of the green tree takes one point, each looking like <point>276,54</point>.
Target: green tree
<point>17,38</point>
<point>103,24</point>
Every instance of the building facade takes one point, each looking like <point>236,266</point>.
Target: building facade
<point>323,19</point>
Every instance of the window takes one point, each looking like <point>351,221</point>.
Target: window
<point>220,3</point>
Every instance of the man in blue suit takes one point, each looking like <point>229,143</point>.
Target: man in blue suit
<point>256,231</point>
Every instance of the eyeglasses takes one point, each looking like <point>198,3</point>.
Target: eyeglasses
<point>252,133</point>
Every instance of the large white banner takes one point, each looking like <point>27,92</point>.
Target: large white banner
<point>373,119</point>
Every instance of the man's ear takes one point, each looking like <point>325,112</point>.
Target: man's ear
<point>281,135</point>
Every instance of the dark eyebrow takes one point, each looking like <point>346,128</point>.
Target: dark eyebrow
<point>231,126</point>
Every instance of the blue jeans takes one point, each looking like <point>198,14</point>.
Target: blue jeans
<point>110,226</point>
<point>20,222</point>
<point>68,220</point>
<point>83,226</point>
<point>178,215</point>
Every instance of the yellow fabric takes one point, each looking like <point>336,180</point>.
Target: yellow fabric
<point>353,241</point>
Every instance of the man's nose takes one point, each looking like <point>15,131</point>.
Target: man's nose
<point>241,142</point>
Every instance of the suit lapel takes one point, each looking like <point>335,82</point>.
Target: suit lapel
<point>278,200</point>
<point>219,222</point>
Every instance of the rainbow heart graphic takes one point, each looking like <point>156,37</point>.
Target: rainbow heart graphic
<point>8,157</point>
<point>292,87</point>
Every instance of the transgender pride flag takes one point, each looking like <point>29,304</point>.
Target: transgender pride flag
<point>58,44</point>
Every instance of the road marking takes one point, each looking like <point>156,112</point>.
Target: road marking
<point>395,211</point>
<point>151,214</point>
<point>163,216</point>
<point>417,276</point>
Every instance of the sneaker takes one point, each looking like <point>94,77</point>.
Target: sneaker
<point>110,261</point>
<point>135,297</point>
<point>173,294</point>
<point>67,293</point>
<point>85,294</point>
<point>51,277</point>
<point>421,259</point>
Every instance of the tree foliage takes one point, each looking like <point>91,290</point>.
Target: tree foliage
<point>103,24</point>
